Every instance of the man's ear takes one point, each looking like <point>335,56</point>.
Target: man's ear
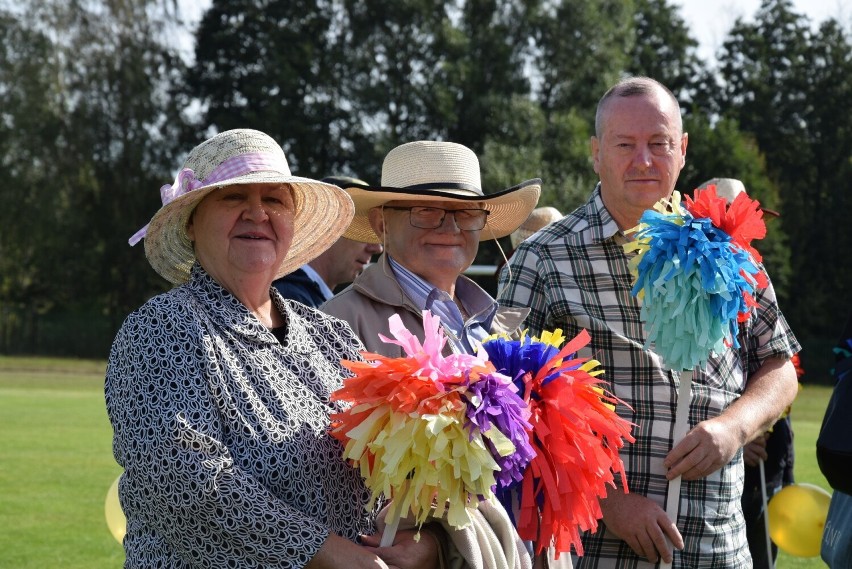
<point>595,148</point>
<point>377,221</point>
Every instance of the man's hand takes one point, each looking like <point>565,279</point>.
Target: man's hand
<point>755,451</point>
<point>714,442</point>
<point>704,450</point>
<point>642,524</point>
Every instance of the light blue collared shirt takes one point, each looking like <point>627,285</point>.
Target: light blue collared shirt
<point>314,276</point>
<point>464,337</point>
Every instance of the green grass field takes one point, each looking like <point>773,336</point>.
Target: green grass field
<point>56,464</point>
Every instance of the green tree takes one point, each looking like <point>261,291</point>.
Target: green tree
<point>483,71</point>
<point>278,67</point>
<point>579,48</point>
<point>396,60</point>
<point>664,48</point>
<point>31,121</point>
<point>92,125</point>
<point>791,89</point>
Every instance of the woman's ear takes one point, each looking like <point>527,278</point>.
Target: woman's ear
<point>190,228</point>
<point>377,221</point>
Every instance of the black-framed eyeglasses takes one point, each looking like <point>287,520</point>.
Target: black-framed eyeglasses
<point>433,217</point>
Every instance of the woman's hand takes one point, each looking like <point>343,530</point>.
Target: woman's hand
<point>340,553</point>
<point>405,553</point>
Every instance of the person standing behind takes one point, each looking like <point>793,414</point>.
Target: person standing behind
<point>430,213</point>
<point>313,283</point>
<point>540,217</point>
<point>774,448</point>
<point>834,455</point>
<point>574,275</point>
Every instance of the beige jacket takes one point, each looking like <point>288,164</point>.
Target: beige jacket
<point>491,542</point>
<point>375,296</point>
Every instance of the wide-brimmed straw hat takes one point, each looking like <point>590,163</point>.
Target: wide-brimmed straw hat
<point>241,156</point>
<point>730,188</point>
<point>540,217</point>
<point>440,171</point>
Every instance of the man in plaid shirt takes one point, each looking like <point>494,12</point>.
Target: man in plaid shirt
<point>574,274</point>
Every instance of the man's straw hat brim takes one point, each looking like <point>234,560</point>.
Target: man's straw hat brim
<point>730,188</point>
<point>433,171</point>
<point>539,218</point>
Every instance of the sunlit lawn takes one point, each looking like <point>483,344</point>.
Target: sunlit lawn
<point>56,464</point>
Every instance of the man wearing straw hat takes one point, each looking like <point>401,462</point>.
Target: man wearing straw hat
<point>575,275</point>
<point>430,213</point>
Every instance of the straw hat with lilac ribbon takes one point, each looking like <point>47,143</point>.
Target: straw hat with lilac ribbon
<point>241,156</point>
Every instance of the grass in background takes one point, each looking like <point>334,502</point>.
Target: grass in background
<point>56,464</point>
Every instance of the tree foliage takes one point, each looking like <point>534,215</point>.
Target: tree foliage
<point>790,87</point>
<point>87,126</point>
<point>98,111</point>
<point>665,49</point>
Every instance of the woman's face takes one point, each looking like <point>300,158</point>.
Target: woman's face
<point>243,231</point>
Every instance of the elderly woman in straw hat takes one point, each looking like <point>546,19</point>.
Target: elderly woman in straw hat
<point>218,390</point>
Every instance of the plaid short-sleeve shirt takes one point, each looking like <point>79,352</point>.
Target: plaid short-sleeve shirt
<point>573,275</point>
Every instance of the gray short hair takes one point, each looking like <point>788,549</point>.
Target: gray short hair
<point>632,87</point>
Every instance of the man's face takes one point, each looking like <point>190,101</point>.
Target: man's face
<point>350,258</point>
<point>639,155</point>
<point>437,255</point>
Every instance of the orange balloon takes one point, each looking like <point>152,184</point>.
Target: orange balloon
<point>116,522</point>
<point>797,516</point>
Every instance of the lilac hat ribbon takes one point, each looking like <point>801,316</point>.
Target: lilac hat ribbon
<point>233,167</point>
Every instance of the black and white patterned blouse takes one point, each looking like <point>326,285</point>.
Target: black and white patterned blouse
<point>222,432</point>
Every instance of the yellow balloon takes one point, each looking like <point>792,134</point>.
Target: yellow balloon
<point>797,517</point>
<point>116,522</point>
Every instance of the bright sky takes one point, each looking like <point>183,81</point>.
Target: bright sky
<point>711,20</point>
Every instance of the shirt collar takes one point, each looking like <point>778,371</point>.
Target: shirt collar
<point>224,307</point>
<point>232,317</point>
<point>476,302</point>
<point>473,298</point>
<point>314,276</point>
<point>601,223</point>
<point>416,288</point>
